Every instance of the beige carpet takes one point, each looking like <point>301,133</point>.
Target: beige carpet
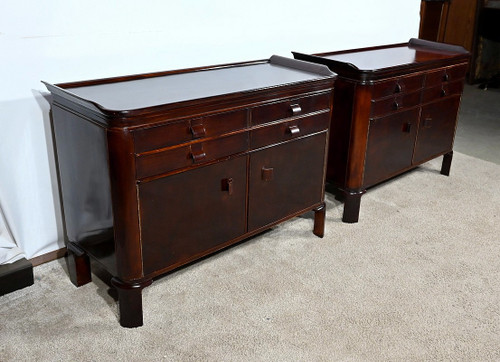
<point>418,278</point>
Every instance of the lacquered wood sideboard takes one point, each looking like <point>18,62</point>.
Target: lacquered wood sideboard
<point>158,170</point>
<point>395,107</point>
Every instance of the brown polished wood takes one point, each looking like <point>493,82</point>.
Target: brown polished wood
<point>395,107</point>
<point>452,22</point>
<point>78,264</point>
<point>465,23</point>
<point>433,19</point>
<point>319,220</point>
<point>158,170</point>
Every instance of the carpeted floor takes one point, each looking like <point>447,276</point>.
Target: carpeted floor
<point>418,278</point>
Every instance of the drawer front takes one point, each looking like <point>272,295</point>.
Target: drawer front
<point>445,75</point>
<point>284,131</point>
<point>196,153</point>
<point>442,91</point>
<point>392,104</point>
<point>187,130</point>
<point>289,108</point>
<point>398,85</point>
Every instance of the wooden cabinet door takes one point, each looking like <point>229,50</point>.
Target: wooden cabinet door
<point>436,129</point>
<point>285,179</point>
<point>185,215</point>
<point>390,146</point>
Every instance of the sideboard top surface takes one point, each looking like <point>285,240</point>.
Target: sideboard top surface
<point>158,89</point>
<point>150,92</point>
<point>389,57</point>
<point>382,61</point>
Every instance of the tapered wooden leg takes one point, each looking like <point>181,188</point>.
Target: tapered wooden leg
<point>352,203</point>
<point>319,220</point>
<point>446,165</point>
<point>130,302</point>
<point>78,264</point>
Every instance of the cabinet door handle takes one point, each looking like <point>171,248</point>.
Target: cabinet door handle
<point>407,127</point>
<point>398,88</point>
<point>396,105</point>
<point>267,173</point>
<point>443,92</point>
<point>227,185</point>
<point>198,155</point>
<point>294,130</point>
<point>296,109</point>
<point>198,130</point>
<point>446,77</point>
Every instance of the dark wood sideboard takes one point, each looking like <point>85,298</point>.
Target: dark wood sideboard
<point>395,107</point>
<point>158,170</point>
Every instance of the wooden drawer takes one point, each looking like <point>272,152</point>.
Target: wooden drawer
<point>187,130</point>
<point>449,74</point>
<point>397,85</point>
<point>162,162</point>
<point>292,107</point>
<point>442,91</point>
<point>396,103</point>
<point>284,131</point>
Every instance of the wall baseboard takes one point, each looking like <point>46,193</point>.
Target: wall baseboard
<point>45,258</point>
<point>15,276</point>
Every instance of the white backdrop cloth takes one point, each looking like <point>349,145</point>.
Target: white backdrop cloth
<point>9,252</point>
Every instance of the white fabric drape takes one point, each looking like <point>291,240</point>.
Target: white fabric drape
<point>9,252</point>
<point>28,181</point>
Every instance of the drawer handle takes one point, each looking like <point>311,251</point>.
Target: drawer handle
<point>407,127</point>
<point>296,109</point>
<point>398,88</point>
<point>227,185</point>
<point>396,105</point>
<point>446,77</point>
<point>443,92</point>
<point>198,130</point>
<point>198,155</point>
<point>294,130</point>
<point>267,173</point>
<point>428,123</point>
